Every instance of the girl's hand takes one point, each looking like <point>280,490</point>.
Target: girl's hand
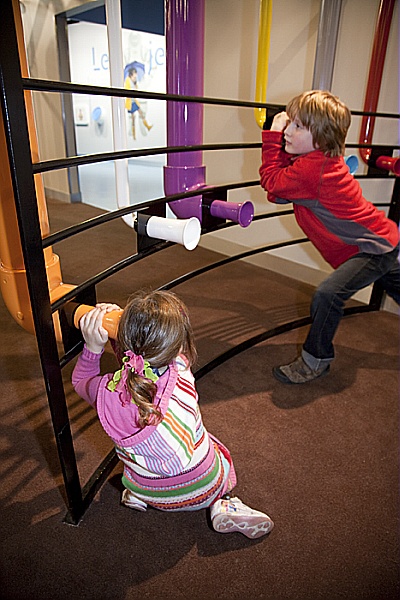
<point>92,329</point>
<point>108,307</point>
<point>280,122</point>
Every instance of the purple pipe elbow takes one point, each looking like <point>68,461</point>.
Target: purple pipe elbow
<point>179,179</point>
<point>241,213</point>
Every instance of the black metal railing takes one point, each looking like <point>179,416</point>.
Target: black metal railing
<point>13,86</point>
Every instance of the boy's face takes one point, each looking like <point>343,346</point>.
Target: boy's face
<point>298,139</point>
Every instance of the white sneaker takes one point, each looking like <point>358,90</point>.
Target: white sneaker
<point>229,515</point>
<point>129,499</point>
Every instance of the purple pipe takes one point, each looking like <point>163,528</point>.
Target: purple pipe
<point>242,212</point>
<point>184,30</point>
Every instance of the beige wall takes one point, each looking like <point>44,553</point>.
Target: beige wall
<point>230,70</point>
<point>231,60</point>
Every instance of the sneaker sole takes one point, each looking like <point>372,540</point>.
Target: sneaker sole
<point>251,527</point>
<point>141,506</point>
<point>134,506</point>
<point>280,376</point>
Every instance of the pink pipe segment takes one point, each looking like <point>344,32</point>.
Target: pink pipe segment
<point>184,31</point>
<point>374,83</point>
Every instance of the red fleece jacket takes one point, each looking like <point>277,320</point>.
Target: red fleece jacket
<point>328,202</point>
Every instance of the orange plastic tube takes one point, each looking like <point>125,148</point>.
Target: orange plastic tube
<point>110,320</point>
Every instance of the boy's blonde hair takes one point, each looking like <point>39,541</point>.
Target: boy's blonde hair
<point>326,116</point>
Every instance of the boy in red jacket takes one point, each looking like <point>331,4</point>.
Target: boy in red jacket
<point>353,236</point>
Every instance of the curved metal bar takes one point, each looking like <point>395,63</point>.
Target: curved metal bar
<point>96,279</point>
<point>109,216</point>
<point>253,341</point>
<point>63,163</point>
<point>226,261</point>
<point>266,335</point>
<point>371,145</point>
<point>46,85</point>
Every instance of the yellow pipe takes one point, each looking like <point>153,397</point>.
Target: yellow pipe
<point>264,36</point>
<point>13,282</point>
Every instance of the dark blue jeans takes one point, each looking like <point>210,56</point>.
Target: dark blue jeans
<point>328,301</point>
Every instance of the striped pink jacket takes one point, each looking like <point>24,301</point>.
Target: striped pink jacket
<point>175,465</point>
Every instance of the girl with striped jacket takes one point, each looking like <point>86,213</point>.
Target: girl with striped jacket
<point>150,410</point>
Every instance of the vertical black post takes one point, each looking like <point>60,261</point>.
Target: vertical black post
<point>394,209</point>
<point>16,128</point>
<point>208,222</point>
<point>377,294</point>
<point>143,241</point>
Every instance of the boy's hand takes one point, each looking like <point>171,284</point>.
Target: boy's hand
<point>280,122</point>
<point>92,329</point>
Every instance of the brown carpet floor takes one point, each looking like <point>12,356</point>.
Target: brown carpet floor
<point>321,459</point>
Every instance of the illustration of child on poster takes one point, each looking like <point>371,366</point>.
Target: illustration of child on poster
<point>133,74</point>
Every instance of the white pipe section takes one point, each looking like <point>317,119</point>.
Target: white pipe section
<point>181,231</point>
<point>114,28</point>
<point>328,29</point>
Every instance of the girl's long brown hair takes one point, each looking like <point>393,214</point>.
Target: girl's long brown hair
<point>156,326</point>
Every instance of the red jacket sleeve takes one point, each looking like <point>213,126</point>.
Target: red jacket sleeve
<point>286,177</point>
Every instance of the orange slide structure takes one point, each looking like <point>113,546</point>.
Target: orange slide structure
<point>13,282</point>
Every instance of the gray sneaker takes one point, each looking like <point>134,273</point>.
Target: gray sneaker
<point>299,372</point>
